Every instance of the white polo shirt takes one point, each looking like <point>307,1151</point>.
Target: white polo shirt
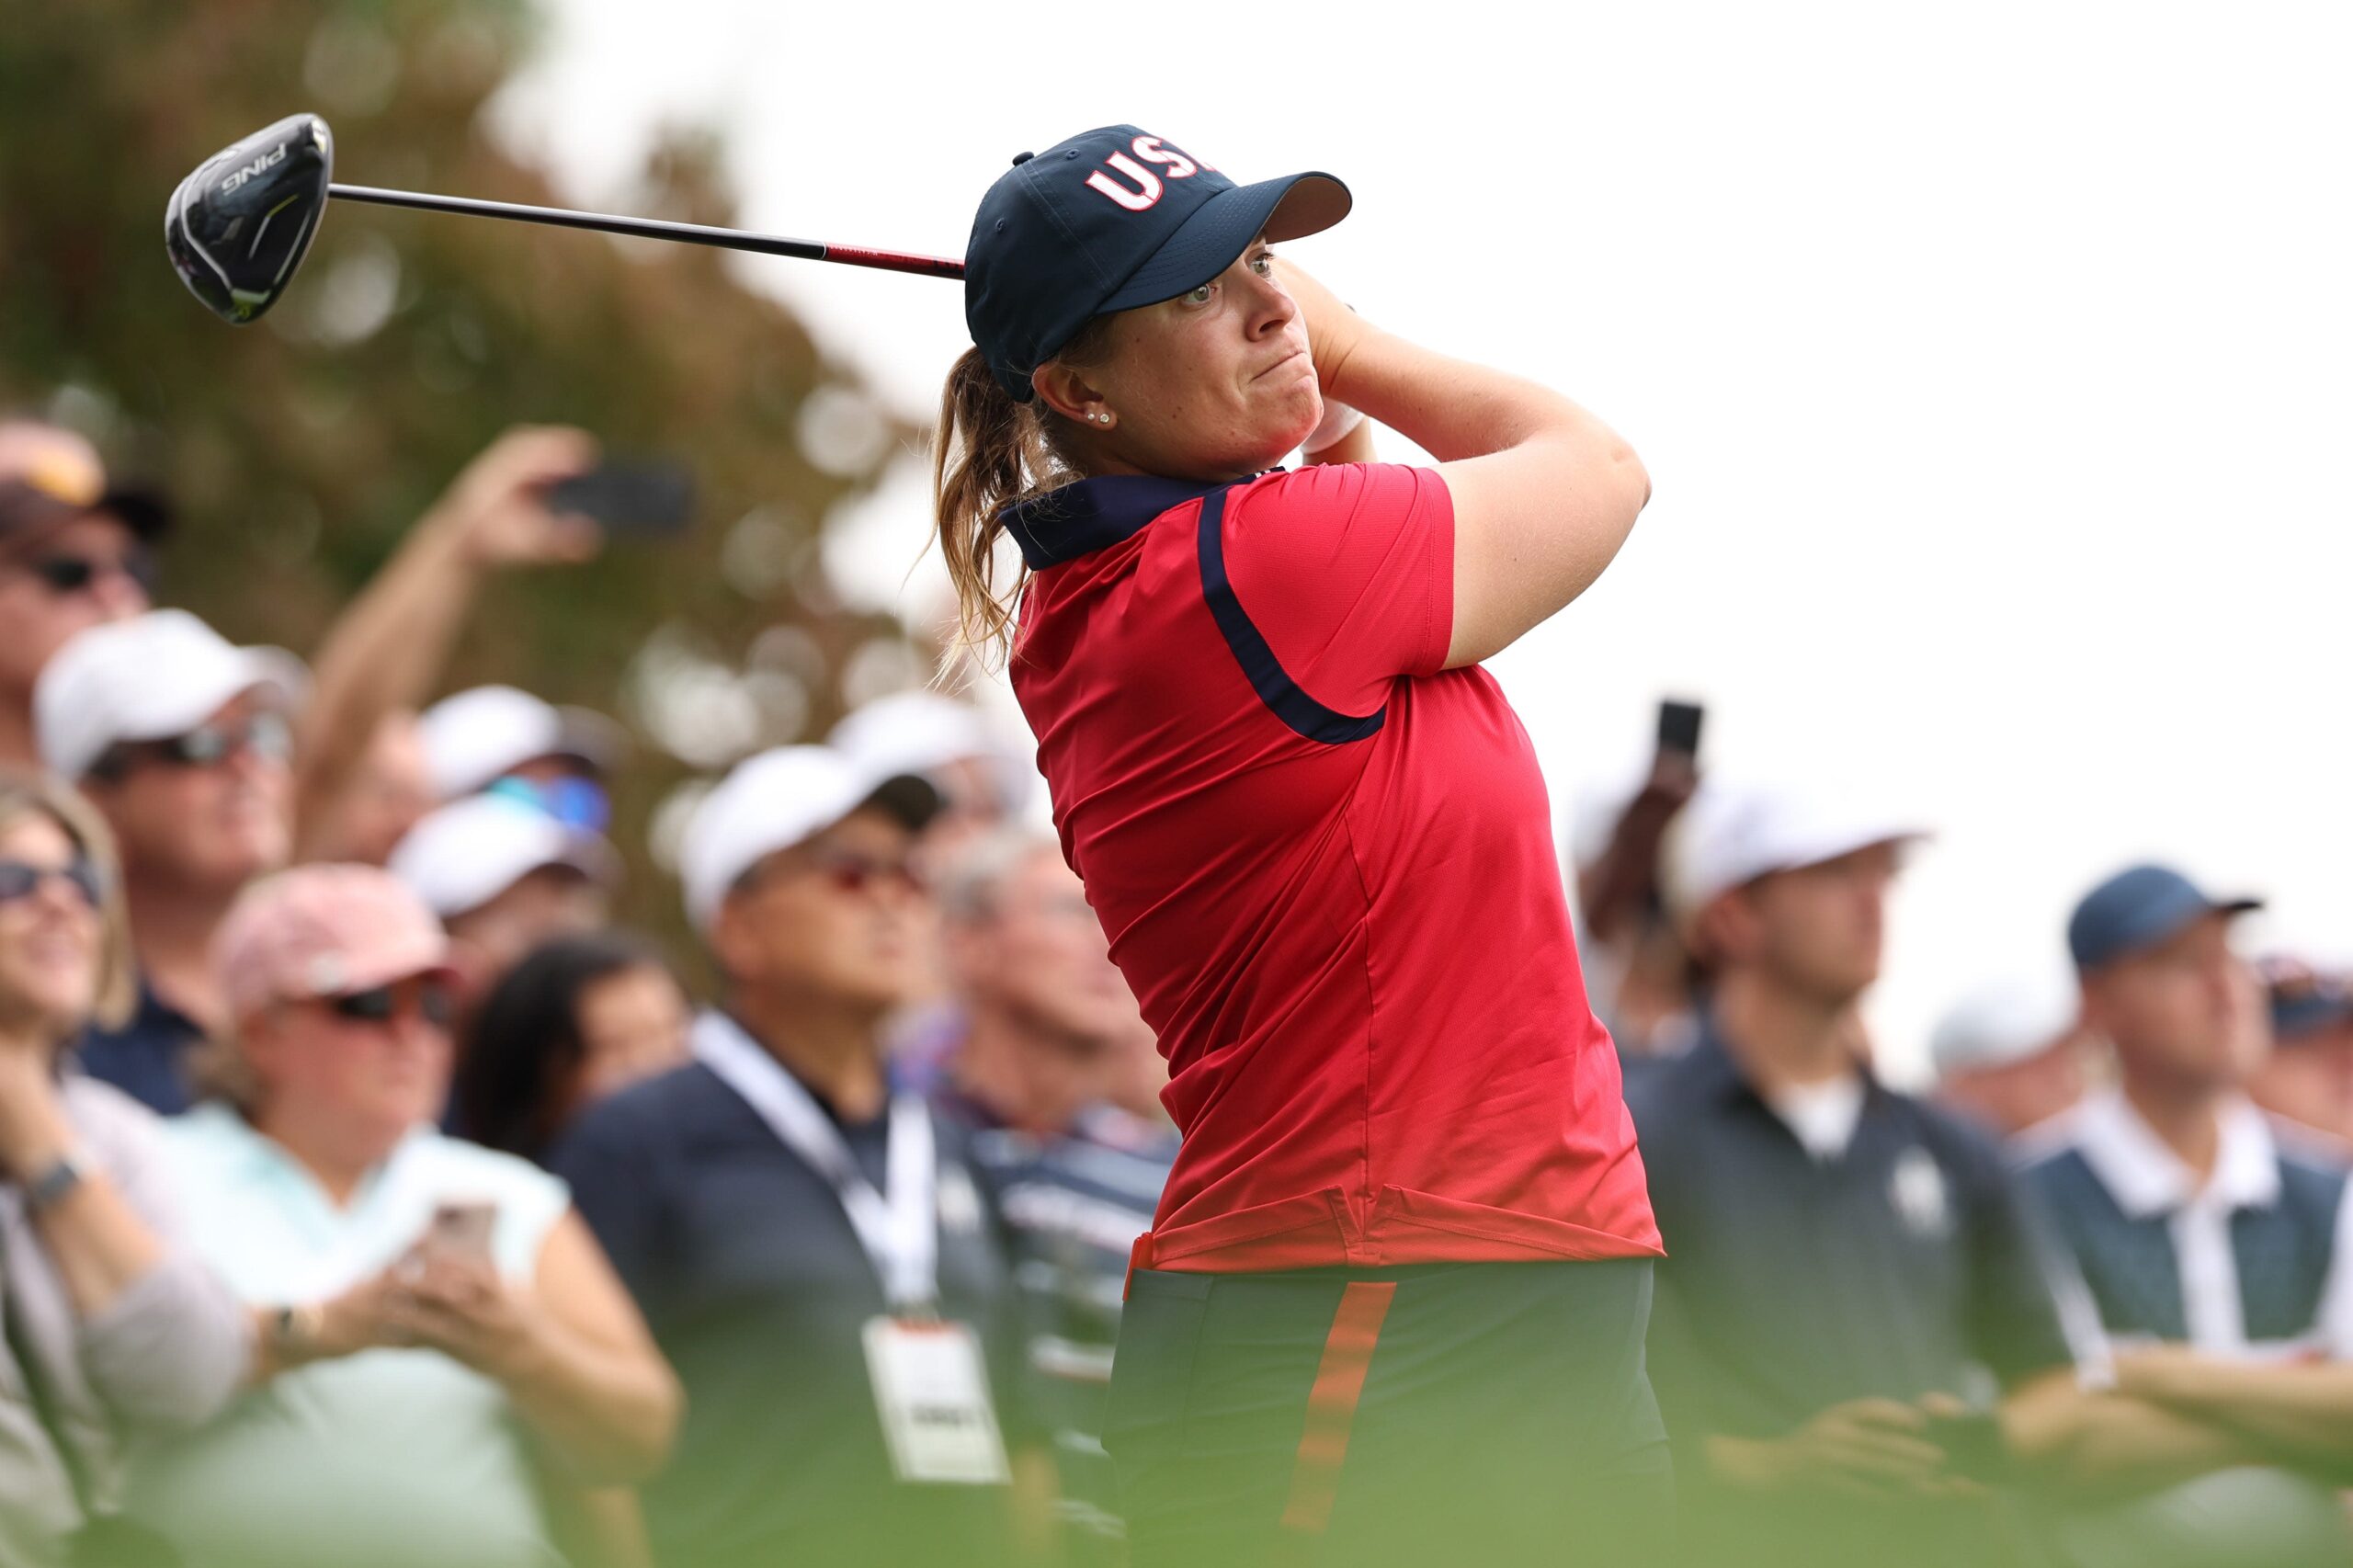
<point>402,1453</point>
<point>2257,1259</point>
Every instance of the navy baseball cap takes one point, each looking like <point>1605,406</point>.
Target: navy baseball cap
<point>1108,220</point>
<point>2304,1000</point>
<point>2137,909</point>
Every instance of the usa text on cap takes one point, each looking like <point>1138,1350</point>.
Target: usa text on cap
<point>1107,220</point>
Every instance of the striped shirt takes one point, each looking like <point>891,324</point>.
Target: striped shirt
<point>1073,1204</point>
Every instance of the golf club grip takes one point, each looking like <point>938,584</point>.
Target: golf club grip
<point>654,229</point>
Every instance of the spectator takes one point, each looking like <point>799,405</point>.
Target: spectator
<point>1047,1019</point>
<point>2012,1053</point>
<point>1642,980</point>
<point>505,877</point>
<point>782,1217</point>
<point>387,791</point>
<point>2308,1077</point>
<point>981,781</point>
<point>1851,1320</point>
<point>1140,1075</point>
<point>74,554</point>
<point>362,763</point>
<point>497,740</point>
<point>182,742</point>
<point>430,1313</point>
<point>113,1331</point>
<point>578,1020</point>
<point>2195,1226</point>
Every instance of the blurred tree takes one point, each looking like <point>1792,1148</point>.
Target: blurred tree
<point>300,449</point>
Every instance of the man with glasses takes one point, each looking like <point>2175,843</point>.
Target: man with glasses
<point>74,554</point>
<point>811,1248</point>
<point>182,741</point>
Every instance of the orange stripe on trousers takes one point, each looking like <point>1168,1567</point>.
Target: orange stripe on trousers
<point>1332,1404</point>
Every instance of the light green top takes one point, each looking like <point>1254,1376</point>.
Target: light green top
<point>387,1456</point>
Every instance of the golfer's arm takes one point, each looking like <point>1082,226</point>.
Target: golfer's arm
<point>1544,493</point>
<point>384,654</point>
<point>2301,1411</point>
<point>2092,1444</point>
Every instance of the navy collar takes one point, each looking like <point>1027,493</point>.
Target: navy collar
<point>1087,515</point>
<point>1714,1071</point>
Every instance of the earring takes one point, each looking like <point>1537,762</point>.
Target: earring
<point>1100,418</point>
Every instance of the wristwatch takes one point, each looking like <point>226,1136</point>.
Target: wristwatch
<point>51,1187</point>
<point>294,1333</point>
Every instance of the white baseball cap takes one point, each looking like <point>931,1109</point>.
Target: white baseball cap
<point>920,732</point>
<point>775,801</point>
<point>477,737</point>
<point>147,678</point>
<point>460,857</point>
<point>2005,1020</point>
<point>1733,833</point>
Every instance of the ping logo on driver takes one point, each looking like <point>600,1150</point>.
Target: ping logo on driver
<point>1146,191</point>
<point>269,160</point>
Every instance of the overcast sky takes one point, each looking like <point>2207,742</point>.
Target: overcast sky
<point>1991,363</point>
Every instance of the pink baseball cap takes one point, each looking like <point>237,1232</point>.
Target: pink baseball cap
<point>324,931</point>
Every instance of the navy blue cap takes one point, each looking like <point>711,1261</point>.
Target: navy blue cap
<point>2138,909</point>
<point>2304,1000</point>
<point>1108,220</point>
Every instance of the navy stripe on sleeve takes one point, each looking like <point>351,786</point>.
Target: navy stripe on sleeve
<point>1276,689</point>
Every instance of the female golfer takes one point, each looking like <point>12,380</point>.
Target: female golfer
<point>1391,1307</point>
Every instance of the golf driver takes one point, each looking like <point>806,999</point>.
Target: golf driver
<point>237,229</point>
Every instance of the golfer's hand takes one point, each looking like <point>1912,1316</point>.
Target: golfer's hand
<point>1863,1447</point>
<point>1333,331</point>
<point>497,512</point>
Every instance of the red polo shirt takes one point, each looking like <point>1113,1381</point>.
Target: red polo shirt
<point>1325,866</point>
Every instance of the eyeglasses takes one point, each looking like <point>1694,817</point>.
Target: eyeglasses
<point>267,735</point>
<point>854,873</point>
<point>63,574</point>
<point>847,870</point>
<point>20,880</point>
<point>381,1005</point>
<point>580,804</point>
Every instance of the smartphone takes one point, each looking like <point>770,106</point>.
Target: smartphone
<point>1975,1447</point>
<point>646,497</point>
<point>1678,727</point>
<point>461,1230</point>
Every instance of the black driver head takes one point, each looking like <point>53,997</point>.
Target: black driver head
<point>238,227</point>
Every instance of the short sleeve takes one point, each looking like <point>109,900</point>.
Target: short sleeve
<point>1346,570</point>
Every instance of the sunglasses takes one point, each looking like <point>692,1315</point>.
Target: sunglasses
<point>20,880</point>
<point>267,735</point>
<point>381,1004</point>
<point>854,873</point>
<point>63,574</point>
<point>846,870</point>
<point>580,804</point>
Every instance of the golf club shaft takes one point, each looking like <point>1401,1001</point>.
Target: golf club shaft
<point>656,229</point>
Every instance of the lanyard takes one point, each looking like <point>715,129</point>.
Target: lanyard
<point>900,1230</point>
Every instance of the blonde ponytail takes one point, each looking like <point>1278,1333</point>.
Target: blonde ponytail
<point>991,452</point>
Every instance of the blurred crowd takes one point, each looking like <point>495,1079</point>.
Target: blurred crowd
<point>371,1197</point>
